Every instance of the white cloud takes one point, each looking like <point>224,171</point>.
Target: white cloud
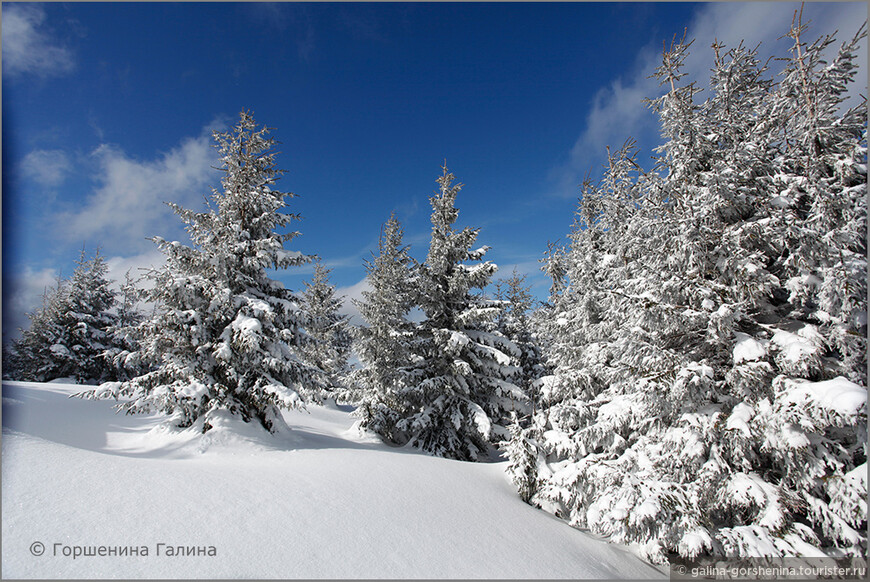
<point>618,111</point>
<point>136,266</point>
<point>46,167</point>
<point>128,207</point>
<point>531,268</point>
<point>349,294</point>
<point>27,47</point>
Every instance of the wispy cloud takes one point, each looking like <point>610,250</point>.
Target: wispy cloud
<point>23,295</point>
<point>28,47</point>
<point>287,17</point>
<point>351,293</point>
<point>618,111</point>
<point>136,266</point>
<point>46,167</point>
<point>128,206</point>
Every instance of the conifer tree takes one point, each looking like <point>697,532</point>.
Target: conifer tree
<point>513,322</point>
<point>330,343</point>
<point>69,336</point>
<point>461,395</point>
<point>87,303</point>
<point>225,338</point>
<point>383,344</point>
<point>523,455</point>
<point>31,357</point>
<point>123,353</point>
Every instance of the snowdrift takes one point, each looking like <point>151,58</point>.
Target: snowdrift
<point>318,502</point>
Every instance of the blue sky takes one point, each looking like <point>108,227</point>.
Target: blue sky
<point>108,110</point>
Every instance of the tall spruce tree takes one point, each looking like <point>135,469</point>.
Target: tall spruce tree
<point>330,343</point>
<point>513,322</point>
<point>224,337</point>
<point>461,395</point>
<point>706,399</point>
<point>31,357</point>
<point>383,343</point>
<point>124,353</point>
<point>89,320</point>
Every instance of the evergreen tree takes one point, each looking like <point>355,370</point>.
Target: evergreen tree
<point>705,399</point>
<point>513,322</point>
<point>554,266</point>
<point>327,328</point>
<point>461,394</point>
<point>69,336</point>
<point>383,344</point>
<point>88,303</point>
<point>523,455</point>
<point>224,337</point>
<point>31,357</point>
<point>123,353</point>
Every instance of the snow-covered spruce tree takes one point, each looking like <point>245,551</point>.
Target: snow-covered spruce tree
<point>330,343</point>
<point>554,265</point>
<point>224,337</point>
<point>513,322</point>
<point>822,208</point>
<point>88,303</point>
<point>703,399</point>
<point>123,352</point>
<point>30,357</point>
<point>460,398</point>
<point>69,336</point>
<point>383,343</point>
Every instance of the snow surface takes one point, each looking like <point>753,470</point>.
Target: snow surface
<point>318,502</point>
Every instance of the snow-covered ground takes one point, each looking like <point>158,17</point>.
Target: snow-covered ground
<point>319,502</point>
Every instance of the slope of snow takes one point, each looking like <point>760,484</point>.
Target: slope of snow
<point>317,502</point>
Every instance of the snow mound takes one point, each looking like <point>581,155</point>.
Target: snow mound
<point>747,348</point>
<point>797,346</point>
<point>739,419</point>
<point>839,395</point>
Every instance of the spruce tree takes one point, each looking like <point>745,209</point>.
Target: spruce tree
<point>123,353</point>
<point>33,356</point>
<point>69,336</point>
<point>383,343</point>
<point>513,322</point>
<point>460,397</point>
<point>330,343</point>
<point>225,337</point>
<point>88,303</point>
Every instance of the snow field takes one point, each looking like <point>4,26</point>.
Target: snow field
<point>319,502</point>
